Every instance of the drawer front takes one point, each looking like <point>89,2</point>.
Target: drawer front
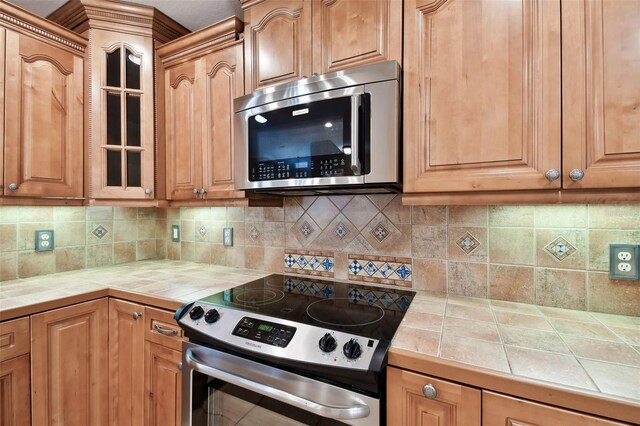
<point>14,338</point>
<point>161,328</point>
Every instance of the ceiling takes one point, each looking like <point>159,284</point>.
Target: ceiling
<point>193,14</point>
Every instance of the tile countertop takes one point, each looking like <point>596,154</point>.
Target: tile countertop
<point>570,358</point>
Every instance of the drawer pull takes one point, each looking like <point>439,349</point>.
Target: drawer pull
<point>429,391</point>
<point>136,315</point>
<point>165,331</point>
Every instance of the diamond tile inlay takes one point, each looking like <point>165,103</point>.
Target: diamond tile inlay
<point>289,285</point>
<point>314,263</point>
<point>341,230</point>
<point>313,289</point>
<point>386,300</point>
<point>403,303</point>
<point>302,261</point>
<point>327,264</point>
<point>289,261</point>
<point>309,263</point>
<point>386,270</point>
<point>355,295</point>
<point>560,248</point>
<point>327,291</point>
<point>253,233</point>
<point>468,243</point>
<point>380,232</point>
<point>370,268</point>
<point>371,298</point>
<point>306,229</point>
<point>302,287</point>
<point>100,231</point>
<point>355,267</point>
<point>202,231</point>
<point>403,272</point>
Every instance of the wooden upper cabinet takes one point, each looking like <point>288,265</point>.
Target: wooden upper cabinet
<point>451,404</point>
<point>481,95</point>
<point>277,41</point>
<point>69,364</point>
<point>43,122</point>
<point>223,81</point>
<point>121,143</point>
<point>601,93</point>
<point>183,121</point>
<point>2,105</point>
<point>349,33</point>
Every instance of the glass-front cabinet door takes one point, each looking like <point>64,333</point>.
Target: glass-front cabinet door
<point>122,144</point>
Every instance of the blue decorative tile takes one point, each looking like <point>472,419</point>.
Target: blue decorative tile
<point>403,303</point>
<point>370,268</point>
<point>327,264</point>
<point>341,230</point>
<point>289,261</point>
<point>380,232</point>
<point>100,231</point>
<point>403,272</point>
<point>313,289</point>
<point>371,298</point>
<point>289,285</point>
<point>355,295</point>
<point>560,248</point>
<point>314,263</point>
<point>355,267</point>
<point>328,291</point>
<point>306,229</point>
<point>386,300</point>
<point>386,270</point>
<point>467,243</point>
<point>302,287</point>
<point>202,231</point>
<point>302,261</point>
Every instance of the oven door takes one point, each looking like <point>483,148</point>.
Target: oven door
<point>223,389</point>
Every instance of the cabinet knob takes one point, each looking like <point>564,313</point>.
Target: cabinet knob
<point>576,174</point>
<point>13,187</point>
<point>429,391</point>
<point>180,366</point>
<point>202,191</point>
<point>195,191</point>
<point>136,315</point>
<point>552,174</point>
<point>148,191</point>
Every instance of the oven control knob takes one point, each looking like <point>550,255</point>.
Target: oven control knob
<point>352,349</point>
<point>196,313</point>
<point>212,316</point>
<point>327,343</point>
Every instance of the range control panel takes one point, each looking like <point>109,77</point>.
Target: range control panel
<point>264,331</point>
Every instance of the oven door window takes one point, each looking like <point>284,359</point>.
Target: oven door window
<point>308,140</point>
<point>232,405</point>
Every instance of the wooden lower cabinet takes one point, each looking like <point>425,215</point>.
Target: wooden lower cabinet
<point>407,404</point>
<point>15,400</point>
<point>501,410</point>
<point>69,358</point>
<point>162,385</point>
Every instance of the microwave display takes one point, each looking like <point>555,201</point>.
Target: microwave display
<point>301,141</point>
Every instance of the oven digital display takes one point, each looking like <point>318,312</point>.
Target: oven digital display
<point>265,327</point>
<point>261,331</point>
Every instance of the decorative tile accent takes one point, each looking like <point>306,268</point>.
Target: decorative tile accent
<point>289,285</point>
<point>386,300</point>
<point>100,231</point>
<point>306,229</point>
<point>380,232</point>
<point>202,231</point>
<point>370,297</point>
<point>560,248</point>
<point>327,291</point>
<point>403,303</point>
<point>341,230</point>
<point>308,262</point>
<point>355,295</point>
<point>253,233</point>
<point>313,289</point>
<point>381,270</point>
<point>308,288</point>
<point>302,287</point>
<point>468,243</point>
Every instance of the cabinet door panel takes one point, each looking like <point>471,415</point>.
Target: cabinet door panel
<point>15,398</point>
<point>224,82</point>
<point>2,105</point>
<point>601,93</point>
<point>407,405</point>
<point>482,94</point>
<point>348,33</point>
<point>163,386</point>
<point>69,353</point>
<point>126,363</point>
<point>44,121</point>
<point>183,131</point>
<point>278,42</point>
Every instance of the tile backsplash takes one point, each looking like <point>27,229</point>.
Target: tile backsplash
<point>553,255</point>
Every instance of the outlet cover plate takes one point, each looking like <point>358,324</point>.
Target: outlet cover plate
<point>44,240</point>
<point>227,237</point>
<point>615,259</point>
<point>175,233</point>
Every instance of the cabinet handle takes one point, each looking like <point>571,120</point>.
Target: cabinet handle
<point>165,331</point>
<point>13,187</point>
<point>202,191</point>
<point>136,315</point>
<point>552,174</point>
<point>148,191</point>
<point>576,174</point>
<point>429,391</point>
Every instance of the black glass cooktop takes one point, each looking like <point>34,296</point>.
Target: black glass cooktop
<point>354,308</point>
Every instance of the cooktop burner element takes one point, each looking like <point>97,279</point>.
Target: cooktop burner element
<point>325,312</point>
<point>258,297</point>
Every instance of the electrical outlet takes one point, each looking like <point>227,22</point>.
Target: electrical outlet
<point>624,263</point>
<point>44,240</point>
<point>175,233</point>
<point>227,237</point>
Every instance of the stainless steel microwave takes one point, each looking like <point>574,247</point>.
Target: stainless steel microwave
<point>331,133</point>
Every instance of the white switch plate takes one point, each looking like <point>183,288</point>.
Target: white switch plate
<point>44,240</point>
<point>175,233</point>
<point>227,237</point>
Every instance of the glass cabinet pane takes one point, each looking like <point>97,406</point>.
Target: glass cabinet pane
<point>114,119</point>
<point>133,120</point>
<point>133,169</point>
<point>114,168</point>
<point>113,68</point>
<point>132,70</point>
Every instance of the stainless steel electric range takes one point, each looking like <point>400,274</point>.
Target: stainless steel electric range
<point>289,350</point>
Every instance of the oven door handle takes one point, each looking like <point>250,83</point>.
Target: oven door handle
<point>355,135</point>
<point>356,411</point>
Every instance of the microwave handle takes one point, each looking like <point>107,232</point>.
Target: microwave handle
<point>355,137</point>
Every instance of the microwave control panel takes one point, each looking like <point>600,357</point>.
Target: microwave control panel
<point>296,168</point>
